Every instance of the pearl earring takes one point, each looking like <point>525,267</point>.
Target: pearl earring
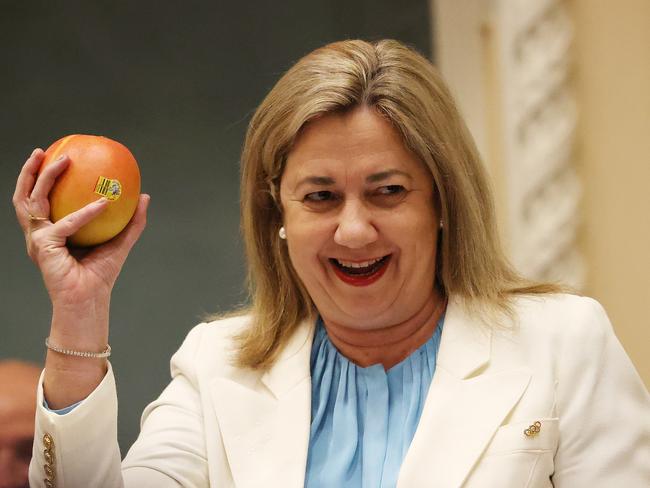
<point>282,233</point>
<point>441,226</point>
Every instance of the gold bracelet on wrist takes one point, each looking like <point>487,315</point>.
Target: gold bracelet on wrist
<point>83,354</point>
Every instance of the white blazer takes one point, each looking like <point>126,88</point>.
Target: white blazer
<point>221,426</point>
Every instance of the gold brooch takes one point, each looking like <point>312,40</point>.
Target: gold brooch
<point>533,430</point>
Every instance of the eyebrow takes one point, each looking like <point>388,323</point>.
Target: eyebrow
<point>373,178</point>
<point>316,180</point>
<point>384,175</point>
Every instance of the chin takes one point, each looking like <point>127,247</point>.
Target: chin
<point>360,312</point>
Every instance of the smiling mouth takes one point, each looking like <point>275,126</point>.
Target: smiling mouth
<point>360,273</point>
<point>360,269</point>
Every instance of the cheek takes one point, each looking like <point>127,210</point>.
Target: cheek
<point>416,237</point>
<point>415,227</point>
<point>304,254</point>
<point>306,238</point>
<point>428,244</point>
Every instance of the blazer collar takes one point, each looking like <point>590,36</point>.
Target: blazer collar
<point>264,417</point>
<point>466,403</point>
<point>465,343</point>
<point>292,364</point>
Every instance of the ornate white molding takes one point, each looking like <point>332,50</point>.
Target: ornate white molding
<point>539,119</point>
<point>518,53</point>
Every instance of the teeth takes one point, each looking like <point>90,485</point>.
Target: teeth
<point>364,264</point>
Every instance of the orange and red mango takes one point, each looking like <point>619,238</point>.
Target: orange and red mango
<point>98,167</point>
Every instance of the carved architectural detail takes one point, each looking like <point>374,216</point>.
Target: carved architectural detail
<point>539,116</point>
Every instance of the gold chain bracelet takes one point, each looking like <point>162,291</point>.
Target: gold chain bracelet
<point>83,354</point>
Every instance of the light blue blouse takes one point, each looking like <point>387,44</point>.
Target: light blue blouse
<point>364,419</point>
<point>61,411</point>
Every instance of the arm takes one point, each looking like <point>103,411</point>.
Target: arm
<point>79,284</point>
<point>82,443</point>
<point>604,410</point>
<point>169,452</point>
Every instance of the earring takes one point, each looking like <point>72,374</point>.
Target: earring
<point>282,233</point>
<point>441,226</point>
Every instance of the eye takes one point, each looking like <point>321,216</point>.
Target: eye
<point>388,195</point>
<point>319,196</point>
<point>321,200</point>
<point>391,190</point>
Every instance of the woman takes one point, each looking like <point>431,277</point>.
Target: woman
<point>388,342</point>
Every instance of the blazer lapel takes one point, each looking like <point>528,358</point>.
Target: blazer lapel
<point>265,417</point>
<point>465,405</point>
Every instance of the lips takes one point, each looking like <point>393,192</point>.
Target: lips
<point>360,273</point>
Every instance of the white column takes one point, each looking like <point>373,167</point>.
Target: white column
<point>538,117</point>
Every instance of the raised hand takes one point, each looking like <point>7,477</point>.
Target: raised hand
<point>69,274</point>
<point>79,281</point>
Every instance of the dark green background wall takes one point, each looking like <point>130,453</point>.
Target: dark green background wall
<point>177,83</point>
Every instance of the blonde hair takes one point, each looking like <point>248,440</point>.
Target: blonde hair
<point>404,87</point>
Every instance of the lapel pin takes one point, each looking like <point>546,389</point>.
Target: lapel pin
<point>533,430</point>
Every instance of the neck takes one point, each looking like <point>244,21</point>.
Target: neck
<point>388,345</point>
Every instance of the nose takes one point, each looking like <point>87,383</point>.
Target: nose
<point>355,228</point>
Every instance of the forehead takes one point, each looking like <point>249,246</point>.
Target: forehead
<point>358,140</point>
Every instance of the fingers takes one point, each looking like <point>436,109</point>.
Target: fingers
<point>31,194</point>
<point>24,186</point>
<point>131,233</point>
<point>71,223</point>
<point>38,203</point>
<point>120,246</point>
<point>27,175</point>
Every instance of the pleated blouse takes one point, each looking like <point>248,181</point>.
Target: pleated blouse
<point>364,419</point>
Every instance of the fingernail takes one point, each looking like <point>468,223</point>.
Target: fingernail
<point>102,200</point>
<point>34,152</point>
<point>60,158</point>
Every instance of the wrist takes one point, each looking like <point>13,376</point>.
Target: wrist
<point>80,354</point>
<point>77,303</point>
<point>82,327</point>
<point>68,380</point>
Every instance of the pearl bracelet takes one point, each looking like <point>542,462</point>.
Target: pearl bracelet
<point>84,354</point>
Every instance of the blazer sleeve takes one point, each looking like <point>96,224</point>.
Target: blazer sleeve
<point>604,409</point>
<point>80,448</point>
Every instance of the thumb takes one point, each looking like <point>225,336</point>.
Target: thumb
<point>120,246</point>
